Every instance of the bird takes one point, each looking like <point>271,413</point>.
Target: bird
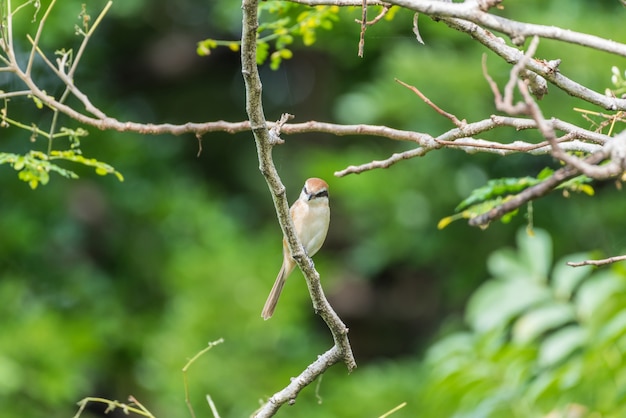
<point>311,217</point>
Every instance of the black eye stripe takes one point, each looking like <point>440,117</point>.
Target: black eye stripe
<point>316,195</point>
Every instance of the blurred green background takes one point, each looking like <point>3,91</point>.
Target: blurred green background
<point>108,288</point>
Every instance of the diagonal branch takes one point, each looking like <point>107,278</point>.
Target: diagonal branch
<point>265,142</point>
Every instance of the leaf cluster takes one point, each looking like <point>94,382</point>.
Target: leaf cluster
<point>34,167</point>
<point>496,191</point>
<point>283,22</point>
<point>541,340</point>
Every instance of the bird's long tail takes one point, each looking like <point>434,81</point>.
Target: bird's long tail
<point>272,299</point>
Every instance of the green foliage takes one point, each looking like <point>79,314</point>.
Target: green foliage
<point>35,166</point>
<point>498,191</point>
<point>541,340</point>
<point>285,22</point>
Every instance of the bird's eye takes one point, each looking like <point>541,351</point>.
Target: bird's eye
<point>322,193</point>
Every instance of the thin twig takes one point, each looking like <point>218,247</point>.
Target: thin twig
<point>394,410</point>
<point>87,37</point>
<point>70,87</point>
<point>454,119</point>
<point>69,80</point>
<point>212,406</point>
<point>112,405</point>
<point>42,23</point>
<point>363,28</point>
<point>601,262</point>
<point>358,169</point>
<point>365,23</point>
<point>188,365</point>
<point>380,15</point>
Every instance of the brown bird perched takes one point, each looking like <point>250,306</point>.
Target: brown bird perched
<point>311,216</point>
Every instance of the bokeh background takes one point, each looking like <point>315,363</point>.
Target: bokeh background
<point>108,288</point>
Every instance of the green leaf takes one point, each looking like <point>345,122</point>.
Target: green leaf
<point>275,60</point>
<point>506,264</point>
<point>38,102</point>
<point>497,188</point>
<point>536,253</point>
<point>19,163</point>
<point>43,177</point>
<point>614,329</point>
<point>204,47</point>
<point>545,173</point>
<point>450,346</point>
<point>508,217</point>
<point>308,37</point>
<point>497,302</point>
<point>533,324</point>
<point>595,291</point>
<point>262,52</point>
<point>578,184</point>
<point>443,222</point>
<point>565,279</point>
<point>285,53</point>
<point>283,41</point>
<point>558,346</point>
